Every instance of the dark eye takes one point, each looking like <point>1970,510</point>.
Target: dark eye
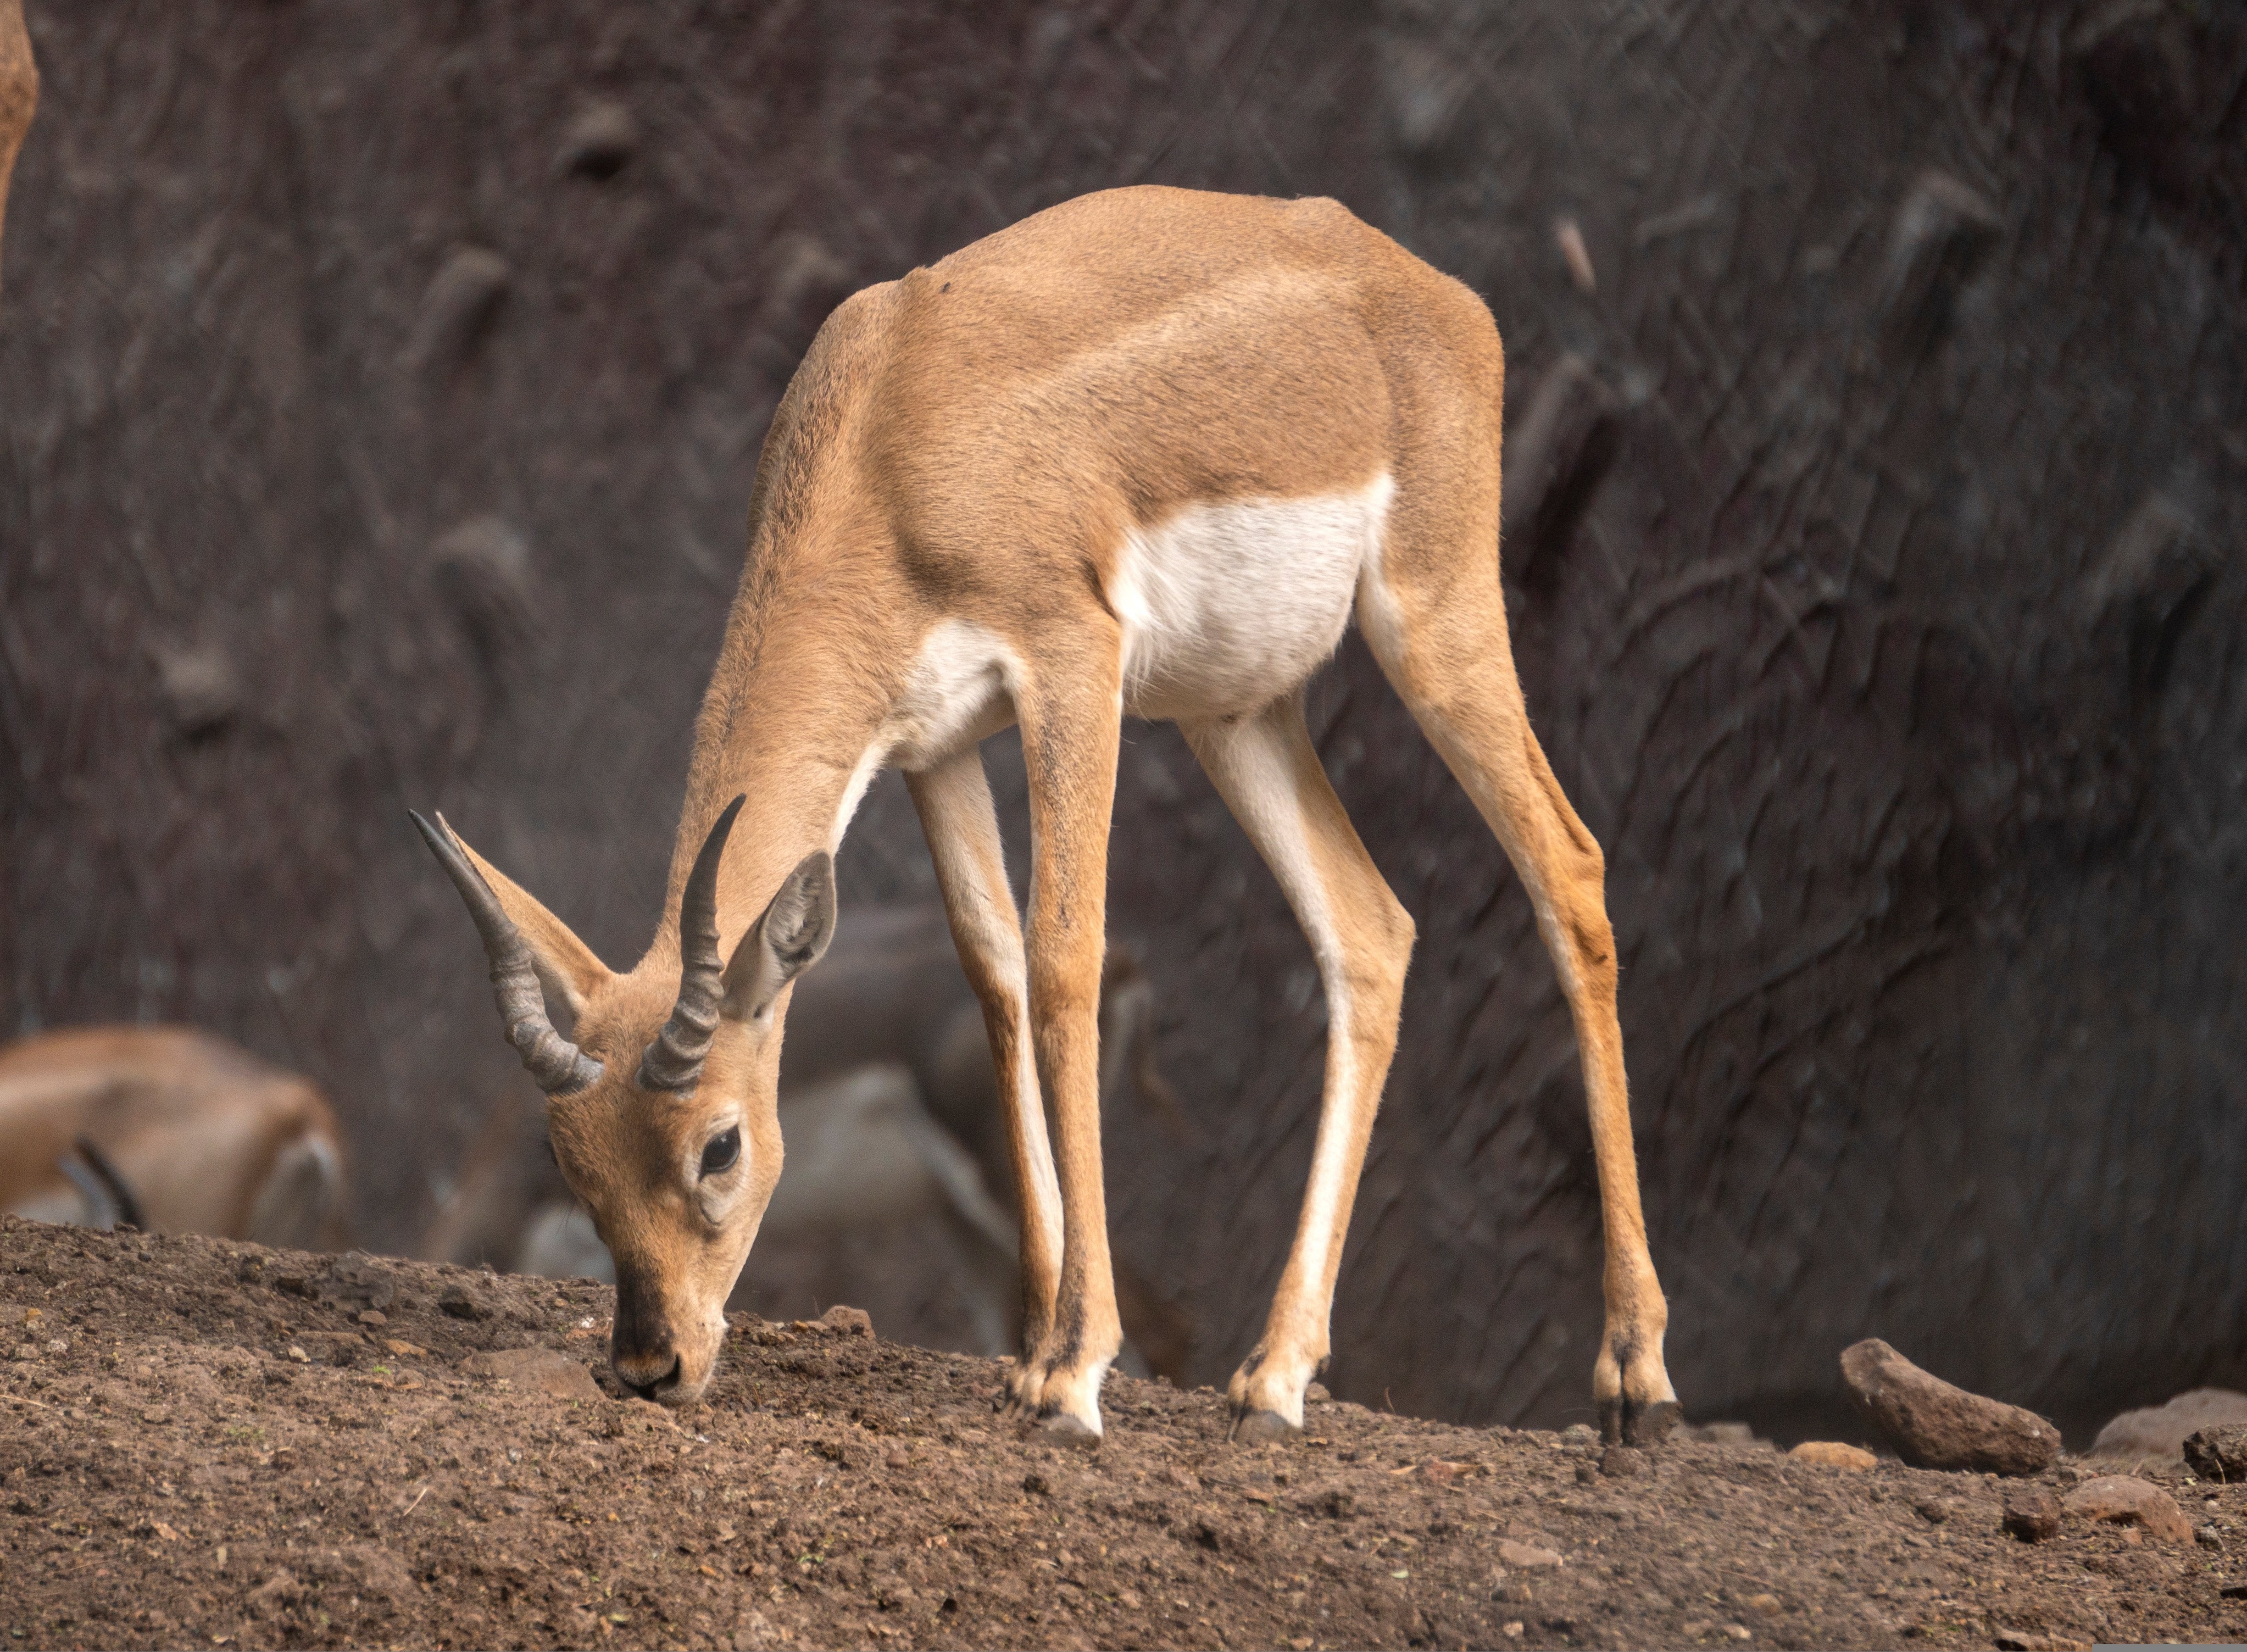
<point>718,1157</point>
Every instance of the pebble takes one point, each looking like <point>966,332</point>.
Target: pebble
<point>854,1322</point>
<point>535,1371</point>
<point>461,1303</point>
<point>2032,1513</point>
<point>1937,1425</point>
<point>1832,1454</point>
<point>2127,1500</point>
<point>1526,1556</point>
<point>2218,1454</point>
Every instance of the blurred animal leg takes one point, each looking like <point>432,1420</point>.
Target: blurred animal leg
<point>962,827</point>
<point>1269,773</point>
<point>300,1202</point>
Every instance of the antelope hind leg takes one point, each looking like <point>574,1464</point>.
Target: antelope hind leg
<point>1450,659</point>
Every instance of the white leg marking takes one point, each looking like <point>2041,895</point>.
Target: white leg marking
<point>1261,784</point>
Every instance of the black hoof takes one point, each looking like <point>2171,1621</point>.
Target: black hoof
<point>1622,1423</point>
<point>1261,1428</point>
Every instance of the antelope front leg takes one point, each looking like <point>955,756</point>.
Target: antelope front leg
<point>1269,774</point>
<point>962,828</point>
<point>1070,730</point>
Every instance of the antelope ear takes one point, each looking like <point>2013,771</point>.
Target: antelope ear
<point>785,942</point>
<point>566,967</point>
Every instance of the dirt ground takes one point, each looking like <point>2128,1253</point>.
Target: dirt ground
<point>205,1443</point>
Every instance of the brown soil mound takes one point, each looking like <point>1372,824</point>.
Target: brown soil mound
<point>206,1443</point>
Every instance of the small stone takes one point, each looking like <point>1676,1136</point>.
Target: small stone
<point>1832,1454</point>
<point>404,1350</point>
<point>1937,1425</point>
<point>297,1355</point>
<point>535,1371</point>
<point>459,1302</point>
<point>1766,1604</point>
<point>2032,1513</point>
<point>1936,1511</point>
<point>1738,1632</point>
<point>1317,1395</point>
<point>853,1321</point>
<point>2127,1500</point>
<point>2208,1538</point>
<point>1513,1628</point>
<point>1525,1557</point>
<point>1579,1434</point>
<point>2218,1455</point>
<point>374,1318</point>
<point>1622,1461</point>
<point>1037,1485</point>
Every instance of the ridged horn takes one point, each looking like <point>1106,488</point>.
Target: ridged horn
<point>557,1066</point>
<point>673,1062</point>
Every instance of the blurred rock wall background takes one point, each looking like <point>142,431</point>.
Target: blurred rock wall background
<point>380,389</point>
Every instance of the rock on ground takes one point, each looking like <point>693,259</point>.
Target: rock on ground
<point>2032,1513</point>
<point>1935,1424</point>
<point>2127,1500</point>
<point>2155,1434</point>
<point>1833,1454</point>
<point>2218,1455</point>
<point>536,1370</point>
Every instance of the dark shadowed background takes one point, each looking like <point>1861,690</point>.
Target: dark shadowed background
<point>380,386</point>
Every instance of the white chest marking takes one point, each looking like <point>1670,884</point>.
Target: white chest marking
<point>1228,607</point>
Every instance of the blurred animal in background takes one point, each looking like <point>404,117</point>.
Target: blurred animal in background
<point>169,1130</point>
<point>19,93</point>
<point>895,1195</point>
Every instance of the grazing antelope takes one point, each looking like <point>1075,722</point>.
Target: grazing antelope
<point>1144,453</point>
<point>19,92</point>
<point>202,1136</point>
<point>892,1123</point>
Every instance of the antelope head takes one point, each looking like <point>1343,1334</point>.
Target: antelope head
<point>663,1104</point>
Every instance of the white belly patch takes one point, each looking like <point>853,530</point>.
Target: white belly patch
<point>1228,607</point>
<point>959,691</point>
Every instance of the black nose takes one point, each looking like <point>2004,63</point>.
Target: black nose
<point>661,1385</point>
